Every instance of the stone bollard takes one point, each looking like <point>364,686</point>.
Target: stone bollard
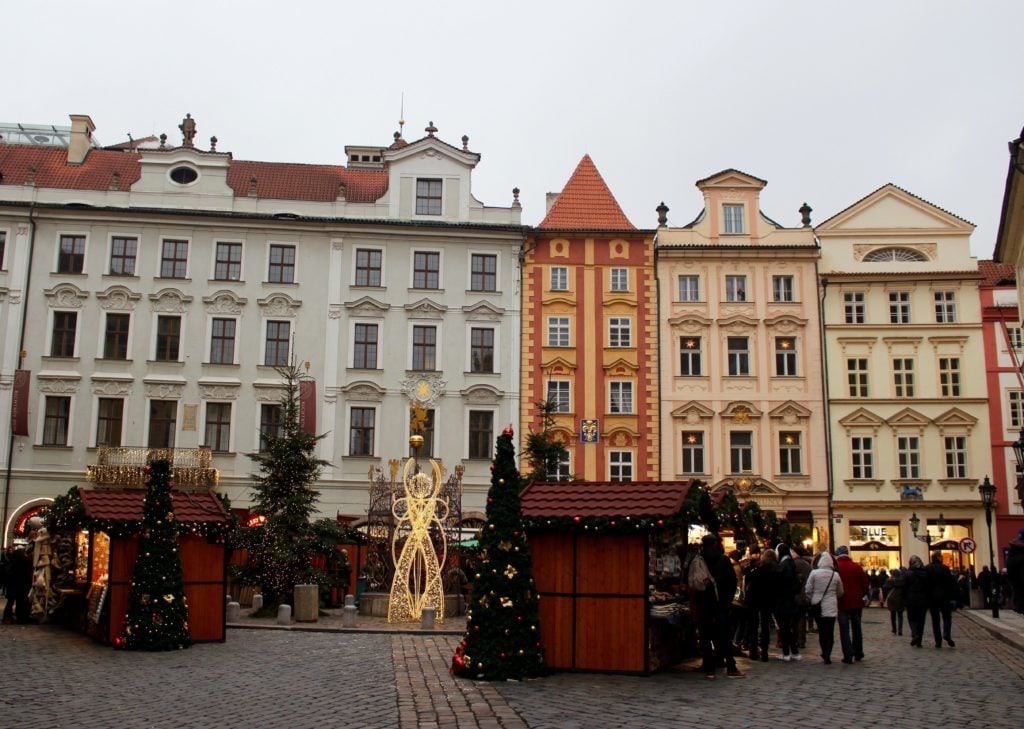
<point>257,602</point>
<point>307,603</point>
<point>427,618</point>
<point>348,616</point>
<point>234,611</point>
<point>284,614</point>
<point>350,600</point>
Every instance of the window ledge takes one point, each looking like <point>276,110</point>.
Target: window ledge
<point>368,287</point>
<point>108,360</point>
<point>78,274</point>
<point>493,292</point>
<point>481,374</point>
<point>852,483</point>
<point>289,284</point>
<point>220,281</point>
<point>172,278</point>
<point>365,369</point>
<point>221,364</point>
<point>52,358</point>
<point>412,290</point>
<point>122,276</point>
<point>47,447</point>
<point>165,362</point>
<point>362,458</point>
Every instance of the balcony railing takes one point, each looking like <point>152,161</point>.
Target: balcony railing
<point>191,468</point>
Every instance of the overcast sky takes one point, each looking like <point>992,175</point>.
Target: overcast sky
<point>825,101</point>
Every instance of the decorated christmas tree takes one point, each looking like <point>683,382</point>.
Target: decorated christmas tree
<point>502,638</point>
<point>157,618</point>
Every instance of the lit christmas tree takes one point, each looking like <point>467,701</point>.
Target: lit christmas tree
<point>157,618</point>
<point>502,638</point>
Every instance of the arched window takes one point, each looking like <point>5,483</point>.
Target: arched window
<point>888,255</point>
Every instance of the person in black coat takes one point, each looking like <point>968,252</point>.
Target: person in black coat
<point>760,597</point>
<point>1015,571</point>
<point>941,598</point>
<point>713,607</point>
<point>787,587</point>
<point>19,582</point>
<point>915,595</point>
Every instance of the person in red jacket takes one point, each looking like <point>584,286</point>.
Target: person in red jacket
<point>856,587</point>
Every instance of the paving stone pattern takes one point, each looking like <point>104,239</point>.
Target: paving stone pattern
<point>51,677</point>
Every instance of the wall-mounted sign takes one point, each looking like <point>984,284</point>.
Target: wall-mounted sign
<point>190,416</point>
<point>589,431</point>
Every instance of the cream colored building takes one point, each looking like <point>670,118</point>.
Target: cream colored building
<point>907,398</point>
<point>741,379</point>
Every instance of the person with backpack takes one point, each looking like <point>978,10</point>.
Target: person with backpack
<point>787,587</point>
<point>711,578</point>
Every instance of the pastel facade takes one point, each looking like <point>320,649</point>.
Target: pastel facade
<point>908,408</point>
<point>741,380</point>
<point>589,337</point>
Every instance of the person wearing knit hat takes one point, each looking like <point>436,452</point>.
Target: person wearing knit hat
<point>851,605</point>
<point>843,550</point>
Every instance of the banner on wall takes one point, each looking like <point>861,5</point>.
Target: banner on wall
<point>19,402</point>
<point>307,406</point>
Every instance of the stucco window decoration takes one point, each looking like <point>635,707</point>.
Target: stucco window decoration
<point>890,255</point>
<point>183,175</point>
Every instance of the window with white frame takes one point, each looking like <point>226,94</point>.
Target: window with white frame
<point>173,258</point>
<point>899,307</point>
<point>782,289</point>
<point>690,358</point>
<point>1015,335</point>
<point>732,217</point>
<point>620,466</point>
<point>227,264</point>
<point>364,346</point>
<point>956,456</point>
<point>426,270</point>
<point>735,288</point>
<point>1016,400</point>
<point>481,433</point>
<point>862,457</point>
<point>123,253</point>
<point>561,469</point>
<point>115,335</point>
<point>109,421</point>
<point>903,376</point>
<point>271,424</point>
<point>738,356</point>
<point>741,451</point>
<point>424,348</point>
<point>620,396</point>
<point>281,264</point>
<point>785,357</point>
<point>428,197</point>
<point>369,262</point>
<point>693,452</point>
<point>857,376</point>
<point>163,417</point>
<point>64,334</point>
<point>558,396</point>
<point>949,376</point>
<point>790,453</point>
<point>559,278</point>
<point>168,338</point>
<point>689,288</point>
<point>222,340</point>
<point>362,425</point>
<point>56,419</point>
<point>558,331</point>
<point>218,427</point>
<point>908,454</point>
<point>620,331</point>
<point>853,307</point>
<point>277,347</point>
<point>945,307</point>
<point>481,349</point>
<point>71,254</point>
<point>620,279</point>
<point>483,272</point>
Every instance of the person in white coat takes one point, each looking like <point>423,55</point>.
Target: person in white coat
<point>824,588</point>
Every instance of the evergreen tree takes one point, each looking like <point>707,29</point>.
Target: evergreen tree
<point>281,550</point>
<point>543,452</point>
<point>502,639</point>
<point>157,618</point>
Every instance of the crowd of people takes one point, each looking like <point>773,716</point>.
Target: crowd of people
<point>745,601</point>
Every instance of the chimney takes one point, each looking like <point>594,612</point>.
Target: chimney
<point>81,138</point>
<point>550,199</point>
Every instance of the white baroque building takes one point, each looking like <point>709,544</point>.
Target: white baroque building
<point>151,290</point>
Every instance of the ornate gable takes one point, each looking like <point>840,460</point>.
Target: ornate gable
<point>426,309</point>
<point>368,307</point>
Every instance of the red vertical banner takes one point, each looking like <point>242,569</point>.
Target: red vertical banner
<point>307,406</point>
<point>19,402</point>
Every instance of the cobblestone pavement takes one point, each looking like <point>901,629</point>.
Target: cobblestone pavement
<point>52,677</point>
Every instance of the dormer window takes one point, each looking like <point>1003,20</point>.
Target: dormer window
<point>184,175</point>
<point>732,217</point>
<point>894,255</point>
<point>428,197</point>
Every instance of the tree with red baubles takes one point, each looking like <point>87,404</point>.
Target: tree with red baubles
<point>502,639</point>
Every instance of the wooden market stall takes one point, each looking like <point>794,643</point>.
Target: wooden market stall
<point>598,610</point>
<point>106,559</point>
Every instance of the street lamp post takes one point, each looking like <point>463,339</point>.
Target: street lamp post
<point>987,489</point>
<point>927,538</point>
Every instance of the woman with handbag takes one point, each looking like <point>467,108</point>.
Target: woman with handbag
<point>824,588</point>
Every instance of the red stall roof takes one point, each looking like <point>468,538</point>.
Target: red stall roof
<point>126,505</point>
<point>554,499</point>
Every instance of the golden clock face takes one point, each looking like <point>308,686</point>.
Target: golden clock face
<point>423,389</point>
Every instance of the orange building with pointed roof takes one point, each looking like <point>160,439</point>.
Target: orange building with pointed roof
<point>590,333</point>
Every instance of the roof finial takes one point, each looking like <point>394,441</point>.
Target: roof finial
<point>188,130</point>
<point>805,215</point>
<point>213,144</point>
<point>515,198</point>
<point>163,141</point>
<point>431,129</point>
<point>465,142</point>
<point>662,211</point>
<point>401,118</point>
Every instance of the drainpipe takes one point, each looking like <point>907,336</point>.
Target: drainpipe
<point>21,350</point>
<point>825,392</point>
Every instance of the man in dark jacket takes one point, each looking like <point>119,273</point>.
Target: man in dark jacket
<point>915,595</point>
<point>941,597</point>
<point>851,605</point>
<point>1015,571</point>
<point>713,606</point>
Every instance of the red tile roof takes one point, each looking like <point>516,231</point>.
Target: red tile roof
<point>996,274</point>
<point>126,505</point>
<point>274,180</point>
<point>593,499</point>
<point>586,203</point>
